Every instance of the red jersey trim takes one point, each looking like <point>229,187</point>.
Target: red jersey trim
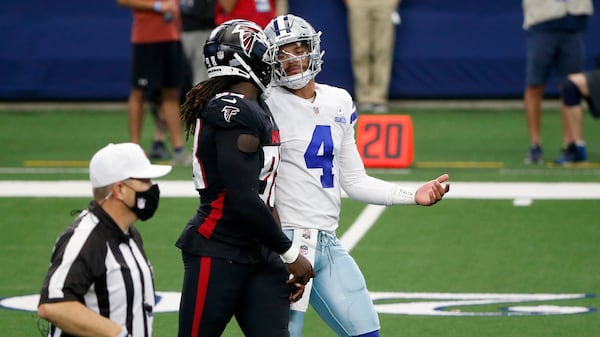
<point>207,227</point>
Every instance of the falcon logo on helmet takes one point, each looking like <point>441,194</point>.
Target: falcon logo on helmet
<point>239,48</point>
<point>248,36</point>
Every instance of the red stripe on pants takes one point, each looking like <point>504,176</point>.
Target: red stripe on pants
<point>203,277</point>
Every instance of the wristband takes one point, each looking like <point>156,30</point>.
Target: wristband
<point>157,6</point>
<point>290,255</point>
<point>123,332</point>
<point>404,196</point>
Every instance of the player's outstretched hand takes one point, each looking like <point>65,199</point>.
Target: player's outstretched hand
<point>433,191</point>
<point>301,270</point>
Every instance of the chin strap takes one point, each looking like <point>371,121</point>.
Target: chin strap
<point>250,72</point>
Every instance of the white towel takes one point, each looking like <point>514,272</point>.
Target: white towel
<point>306,241</point>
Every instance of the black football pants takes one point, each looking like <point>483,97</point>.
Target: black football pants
<point>215,290</point>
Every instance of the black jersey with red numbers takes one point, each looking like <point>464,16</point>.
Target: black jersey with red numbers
<point>234,220</point>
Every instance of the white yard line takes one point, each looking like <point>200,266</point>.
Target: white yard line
<point>500,104</point>
<point>361,226</point>
<point>458,190</point>
<point>522,194</point>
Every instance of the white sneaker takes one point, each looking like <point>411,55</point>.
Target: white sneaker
<point>362,107</point>
<point>380,108</point>
<point>181,158</point>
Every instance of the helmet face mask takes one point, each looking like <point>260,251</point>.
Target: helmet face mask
<point>239,48</point>
<point>289,30</point>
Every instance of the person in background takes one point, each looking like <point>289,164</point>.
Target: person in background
<point>156,65</point>
<point>372,36</point>
<point>257,11</point>
<point>554,41</point>
<point>158,149</point>
<point>584,85</point>
<point>237,261</point>
<point>99,282</point>
<point>198,20</point>
<point>282,7</point>
<point>319,158</point>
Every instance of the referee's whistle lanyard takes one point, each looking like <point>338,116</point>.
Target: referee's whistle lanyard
<point>147,308</point>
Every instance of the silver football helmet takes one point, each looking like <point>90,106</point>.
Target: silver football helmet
<point>286,29</point>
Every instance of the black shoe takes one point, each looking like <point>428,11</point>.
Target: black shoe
<point>572,154</point>
<point>159,151</point>
<point>534,155</point>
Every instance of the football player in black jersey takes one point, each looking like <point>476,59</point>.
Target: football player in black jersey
<point>237,260</point>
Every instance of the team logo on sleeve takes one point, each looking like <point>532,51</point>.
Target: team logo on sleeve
<point>340,118</point>
<point>228,112</point>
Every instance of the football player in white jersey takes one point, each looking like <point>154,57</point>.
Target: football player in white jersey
<point>319,158</point>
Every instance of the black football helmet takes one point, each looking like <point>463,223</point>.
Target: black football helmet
<point>239,48</point>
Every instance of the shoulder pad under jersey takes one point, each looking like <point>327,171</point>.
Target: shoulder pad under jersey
<point>231,111</point>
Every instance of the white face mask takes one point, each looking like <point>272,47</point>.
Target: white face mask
<point>297,81</point>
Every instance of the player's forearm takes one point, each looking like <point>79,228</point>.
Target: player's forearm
<point>258,215</point>
<point>238,172</point>
<point>361,187</point>
<point>76,319</point>
<point>255,212</point>
<point>379,192</point>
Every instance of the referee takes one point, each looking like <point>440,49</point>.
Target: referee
<point>100,282</point>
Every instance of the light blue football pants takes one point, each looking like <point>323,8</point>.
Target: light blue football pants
<point>339,292</point>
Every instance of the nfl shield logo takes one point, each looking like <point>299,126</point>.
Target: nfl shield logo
<point>141,203</point>
<point>306,234</point>
<point>303,249</point>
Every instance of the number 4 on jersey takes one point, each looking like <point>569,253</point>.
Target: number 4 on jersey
<point>314,157</point>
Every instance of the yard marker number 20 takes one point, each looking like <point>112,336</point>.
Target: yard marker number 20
<point>385,141</point>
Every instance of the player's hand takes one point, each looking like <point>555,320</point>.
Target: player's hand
<point>433,191</point>
<point>301,270</point>
<point>296,291</point>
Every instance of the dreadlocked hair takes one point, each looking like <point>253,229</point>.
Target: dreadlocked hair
<point>198,96</point>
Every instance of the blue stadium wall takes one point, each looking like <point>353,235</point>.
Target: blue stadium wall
<point>73,50</point>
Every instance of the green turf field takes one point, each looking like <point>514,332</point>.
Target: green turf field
<point>463,248</point>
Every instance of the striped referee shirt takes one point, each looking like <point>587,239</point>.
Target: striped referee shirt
<point>95,263</point>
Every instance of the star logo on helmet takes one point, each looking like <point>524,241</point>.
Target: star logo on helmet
<point>220,55</point>
<point>228,112</point>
